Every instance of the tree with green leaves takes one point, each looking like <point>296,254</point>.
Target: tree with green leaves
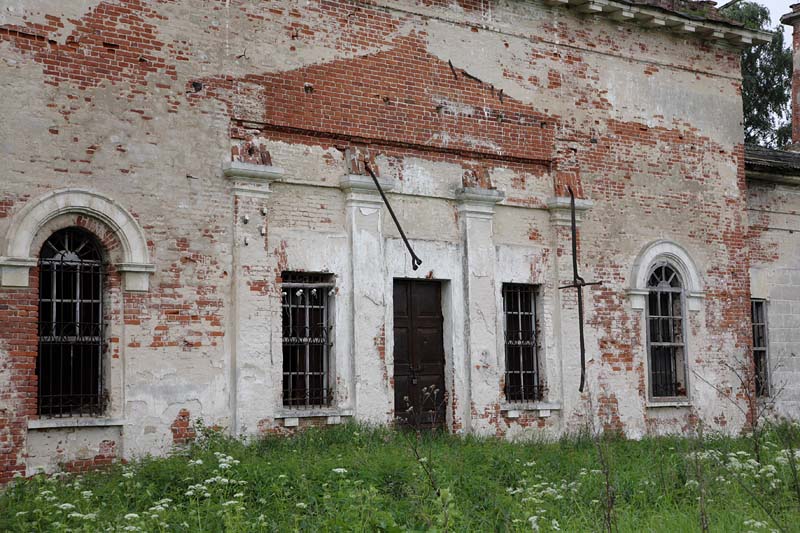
<point>766,79</point>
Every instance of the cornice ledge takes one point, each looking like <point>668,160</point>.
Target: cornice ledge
<point>773,177</point>
<point>653,17</point>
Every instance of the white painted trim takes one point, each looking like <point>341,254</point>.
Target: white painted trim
<point>26,224</point>
<point>76,422</point>
<point>676,256</point>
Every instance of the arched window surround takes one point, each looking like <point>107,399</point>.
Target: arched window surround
<point>676,257</point>
<point>18,253</point>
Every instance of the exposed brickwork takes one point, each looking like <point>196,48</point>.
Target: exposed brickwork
<point>182,430</point>
<point>107,456</point>
<point>142,101</point>
<point>18,385</point>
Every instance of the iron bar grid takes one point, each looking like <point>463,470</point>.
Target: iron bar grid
<point>665,325</point>
<point>71,337</point>
<point>758,310</point>
<point>306,299</point>
<point>522,383</point>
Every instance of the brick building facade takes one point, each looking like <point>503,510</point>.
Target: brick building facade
<point>192,177</point>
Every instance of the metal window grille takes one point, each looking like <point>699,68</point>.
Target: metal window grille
<point>70,361</point>
<point>306,334</point>
<point>666,333</point>
<point>522,382</point>
<point>758,310</point>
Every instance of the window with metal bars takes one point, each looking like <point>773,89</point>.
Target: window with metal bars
<point>306,307</point>
<point>71,344</point>
<point>523,383</point>
<point>758,309</point>
<point>665,326</point>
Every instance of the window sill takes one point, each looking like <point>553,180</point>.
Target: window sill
<point>514,410</point>
<point>77,422</point>
<point>668,403</point>
<point>291,417</point>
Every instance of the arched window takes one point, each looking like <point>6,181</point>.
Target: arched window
<point>70,361</point>
<point>665,332</point>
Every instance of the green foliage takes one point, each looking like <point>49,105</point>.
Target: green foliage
<point>355,478</point>
<point>766,80</point>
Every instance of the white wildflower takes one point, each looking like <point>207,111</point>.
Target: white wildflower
<point>301,505</point>
<point>66,506</point>
<point>131,516</point>
<point>340,470</point>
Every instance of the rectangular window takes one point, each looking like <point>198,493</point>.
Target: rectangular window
<point>306,333</point>
<point>523,383</point>
<point>759,315</point>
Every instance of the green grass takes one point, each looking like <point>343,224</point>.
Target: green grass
<point>286,484</point>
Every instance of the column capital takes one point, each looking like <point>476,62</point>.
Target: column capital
<point>250,179</point>
<point>561,210</point>
<point>477,202</point>
<point>361,190</point>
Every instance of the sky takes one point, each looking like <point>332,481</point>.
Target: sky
<point>776,9</point>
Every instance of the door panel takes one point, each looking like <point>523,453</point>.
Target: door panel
<point>418,353</point>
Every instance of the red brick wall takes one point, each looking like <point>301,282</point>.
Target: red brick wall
<point>175,86</point>
<point>18,386</point>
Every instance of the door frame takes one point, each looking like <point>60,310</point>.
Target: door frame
<point>448,328</point>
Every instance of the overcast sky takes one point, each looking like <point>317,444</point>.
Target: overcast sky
<point>776,9</point>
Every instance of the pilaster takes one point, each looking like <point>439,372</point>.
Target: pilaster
<point>256,320</point>
<point>476,209</point>
<point>370,387</point>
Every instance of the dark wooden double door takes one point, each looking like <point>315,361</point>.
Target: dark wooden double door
<point>419,393</point>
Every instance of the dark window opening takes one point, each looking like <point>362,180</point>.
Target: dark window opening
<point>522,383</point>
<point>665,325</point>
<point>70,360</point>
<point>306,299</point>
<point>758,310</point>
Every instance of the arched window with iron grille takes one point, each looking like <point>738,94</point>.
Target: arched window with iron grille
<point>665,333</point>
<point>71,342</point>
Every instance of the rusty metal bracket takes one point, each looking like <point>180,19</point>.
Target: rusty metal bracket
<point>578,283</point>
<point>415,261</point>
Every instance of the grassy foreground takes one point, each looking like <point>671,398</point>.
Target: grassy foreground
<point>352,478</point>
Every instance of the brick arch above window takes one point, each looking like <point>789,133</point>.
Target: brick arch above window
<point>678,258</point>
<point>19,253</point>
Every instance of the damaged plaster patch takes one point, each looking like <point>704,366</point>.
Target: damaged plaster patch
<point>26,12</point>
